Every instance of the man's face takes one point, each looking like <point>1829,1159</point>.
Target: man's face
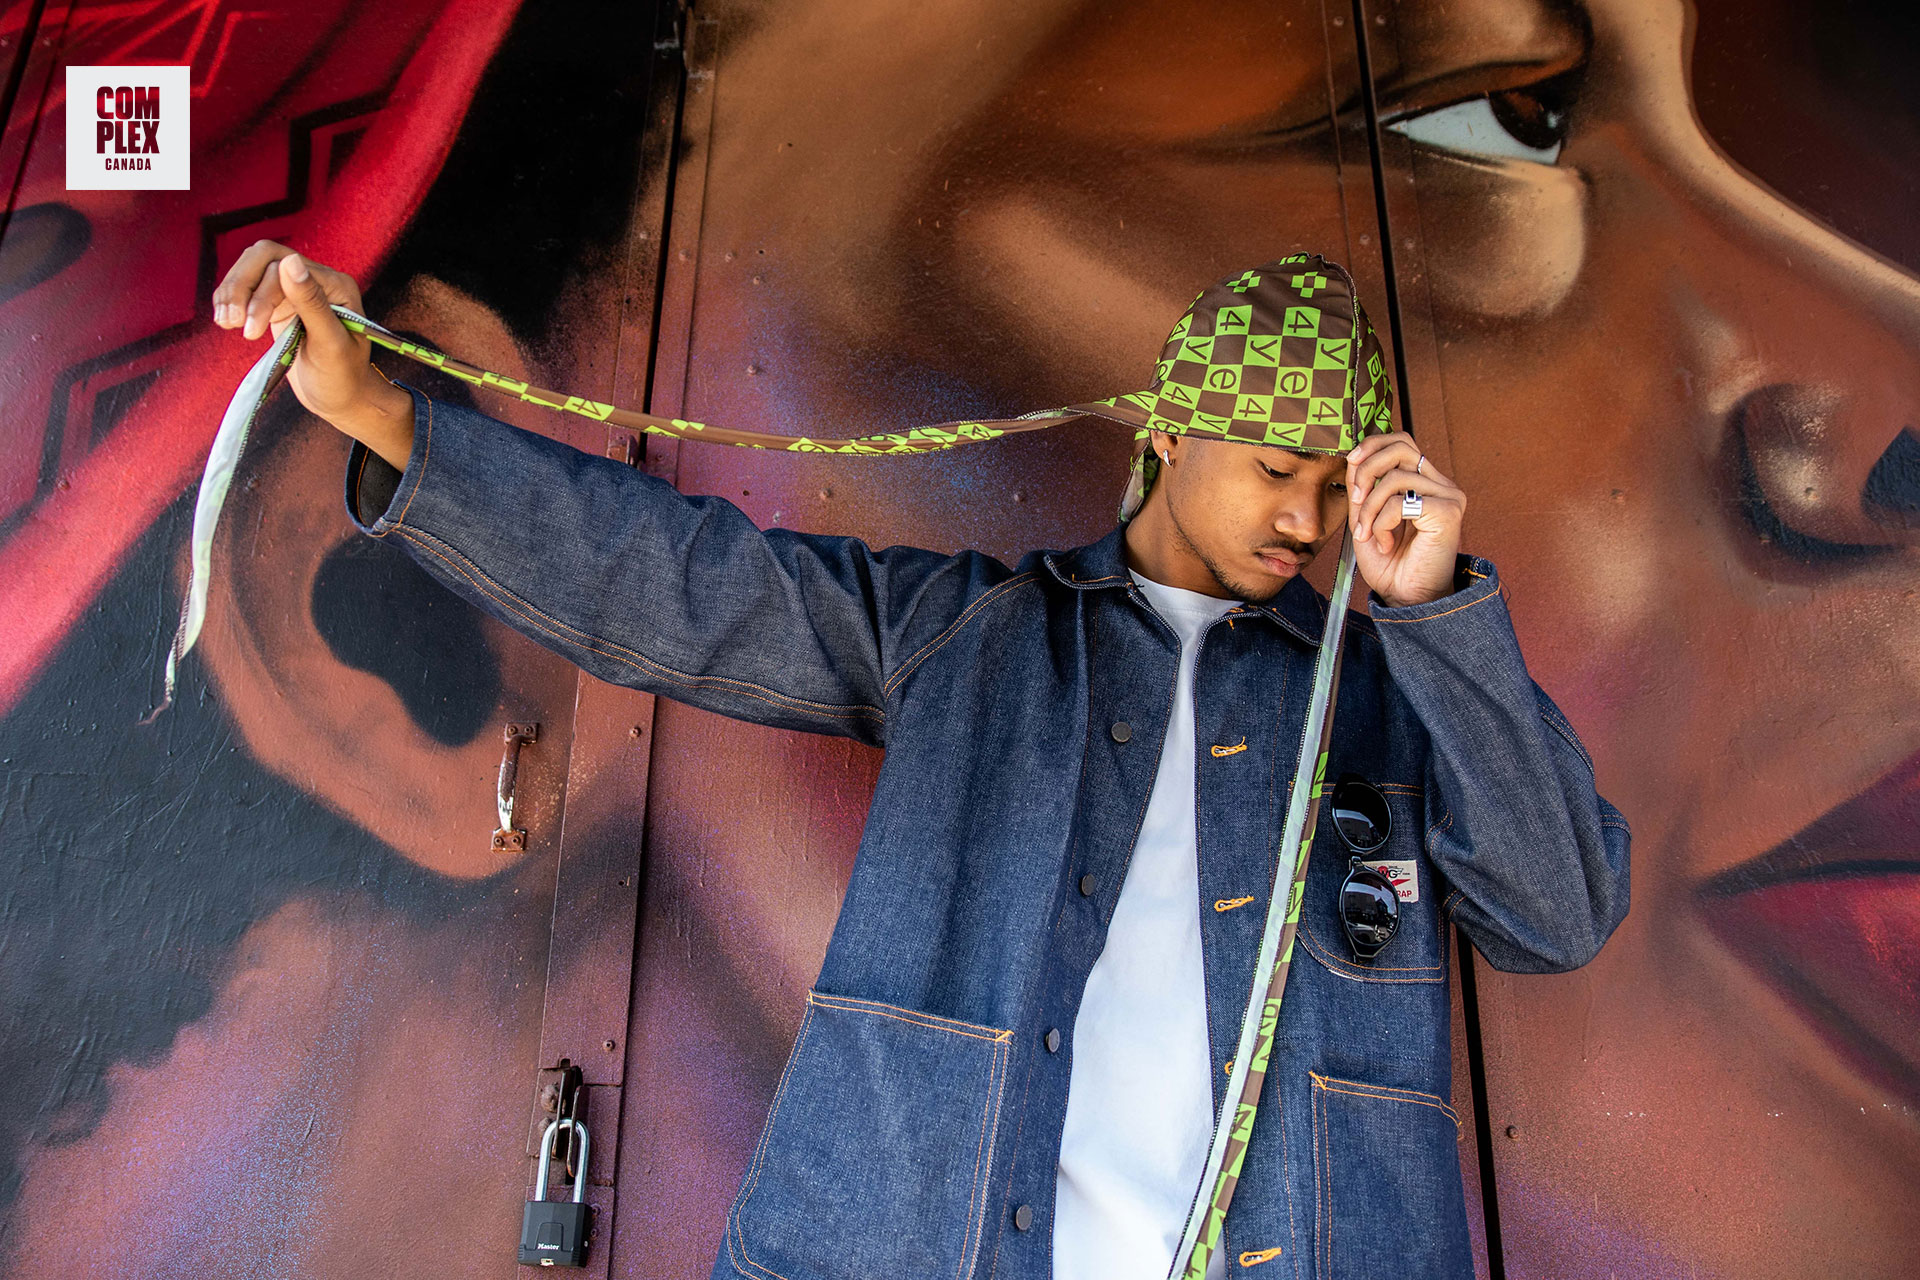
<point>1251,517</point>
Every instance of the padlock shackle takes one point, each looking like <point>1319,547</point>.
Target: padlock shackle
<point>546,1159</point>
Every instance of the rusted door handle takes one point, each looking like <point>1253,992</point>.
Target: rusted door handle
<point>509,838</point>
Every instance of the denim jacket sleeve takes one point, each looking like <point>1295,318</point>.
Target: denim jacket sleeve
<point>1514,820</point>
<point>643,586</point>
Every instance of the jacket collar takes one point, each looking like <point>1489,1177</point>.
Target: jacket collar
<point>1299,609</point>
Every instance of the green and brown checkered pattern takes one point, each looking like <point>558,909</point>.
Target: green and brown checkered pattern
<point>1269,363</point>
<point>1281,354</point>
<point>1272,355</point>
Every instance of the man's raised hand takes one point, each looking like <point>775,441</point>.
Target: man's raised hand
<point>333,375</point>
<point>1405,561</point>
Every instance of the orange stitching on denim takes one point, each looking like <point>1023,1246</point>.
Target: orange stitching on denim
<point>1341,969</point>
<point>1381,1088</point>
<point>1319,1186</point>
<point>931,1021</point>
<point>1416,1102</point>
<point>835,711</point>
<point>989,1112</point>
<point>1439,968</point>
<point>766,1137</point>
<point>1443,613</point>
<point>1382,968</point>
<point>973,1197</point>
<point>953,628</point>
<point>759,1157</point>
<point>1324,1157</point>
<point>1384,1093</point>
<point>1252,1258</point>
<point>426,452</point>
<point>1286,1161</point>
<point>1221,753</point>
<point>1228,904</point>
<point>1441,1107</point>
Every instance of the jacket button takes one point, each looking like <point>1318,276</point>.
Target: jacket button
<point>1023,1217</point>
<point>1053,1040</point>
<point>1087,882</point>
<point>1121,731</point>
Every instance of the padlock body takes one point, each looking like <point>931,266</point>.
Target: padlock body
<point>554,1234</point>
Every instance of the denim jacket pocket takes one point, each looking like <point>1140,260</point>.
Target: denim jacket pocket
<point>875,1154</point>
<point>1418,952</point>
<point>1387,1193</point>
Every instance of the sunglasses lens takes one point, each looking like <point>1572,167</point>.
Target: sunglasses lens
<point>1360,813</point>
<point>1369,909</point>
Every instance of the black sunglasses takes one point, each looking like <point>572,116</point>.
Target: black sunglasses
<point>1369,906</point>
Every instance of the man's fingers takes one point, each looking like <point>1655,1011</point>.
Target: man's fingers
<point>1385,454</point>
<point>235,292</point>
<point>254,296</point>
<point>327,339</point>
<point>1381,508</point>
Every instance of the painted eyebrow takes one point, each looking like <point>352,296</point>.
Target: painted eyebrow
<point>1447,67</point>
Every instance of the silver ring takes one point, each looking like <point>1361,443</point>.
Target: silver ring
<point>1419,468</point>
<point>1412,505</point>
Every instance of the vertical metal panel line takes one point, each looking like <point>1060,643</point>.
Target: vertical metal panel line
<point>1469,996</point>
<point>1372,108</point>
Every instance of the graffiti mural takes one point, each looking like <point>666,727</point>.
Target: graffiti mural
<point>269,991</point>
<point>1667,267</point>
<point>1652,275</point>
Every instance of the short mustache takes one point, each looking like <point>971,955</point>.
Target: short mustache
<point>1297,548</point>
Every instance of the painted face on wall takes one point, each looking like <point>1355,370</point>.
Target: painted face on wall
<point>1683,407</point>
<point>1673,397</point>
<point>1686,410</point>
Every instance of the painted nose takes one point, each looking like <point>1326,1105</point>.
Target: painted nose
<point>1825,473</point>
<point>1892,494</point>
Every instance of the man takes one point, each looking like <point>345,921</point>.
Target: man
<point>1047,827</point>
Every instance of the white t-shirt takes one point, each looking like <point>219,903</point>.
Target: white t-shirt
<point>1140,1102</point>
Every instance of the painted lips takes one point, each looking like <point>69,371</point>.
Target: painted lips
<point>1831,918</point>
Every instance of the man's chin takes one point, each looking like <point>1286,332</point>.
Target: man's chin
<point>1267,579</point>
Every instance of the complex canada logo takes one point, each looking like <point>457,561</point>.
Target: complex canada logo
<point>127,128</point>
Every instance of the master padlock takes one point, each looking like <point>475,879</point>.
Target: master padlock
<point>554,1232</point>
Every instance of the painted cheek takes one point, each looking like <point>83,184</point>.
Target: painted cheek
<point>1512,237</point>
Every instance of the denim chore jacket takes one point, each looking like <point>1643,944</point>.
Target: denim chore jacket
<point>916,1128</point>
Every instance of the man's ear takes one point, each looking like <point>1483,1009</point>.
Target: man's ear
<point>353,674</point>
<point>1166,445</point>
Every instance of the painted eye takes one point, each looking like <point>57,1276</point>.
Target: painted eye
<point>1518,124</point>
